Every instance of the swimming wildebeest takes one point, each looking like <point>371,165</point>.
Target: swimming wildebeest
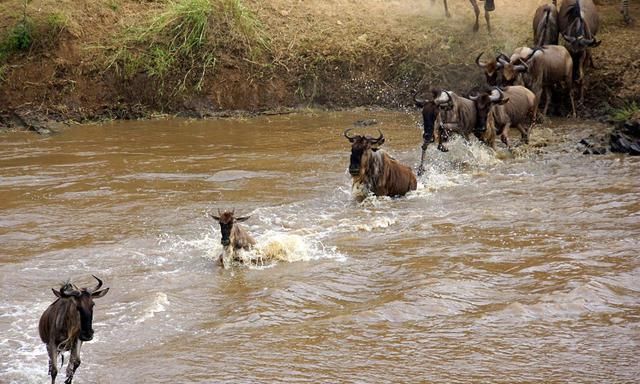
<point>234,237</point>
<point>488,7</point>
<point>579,21</point>
<point>374,171</point>
<point>500,110</point>
<point>67,323</point>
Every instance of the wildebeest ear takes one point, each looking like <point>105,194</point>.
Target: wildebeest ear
<point>503,100</point>
<point>99,294</point>
<point>435,92</point>
<point>240,219</point>
<point>214,217</point>
<point>381,141</point>
<point>57,293</point>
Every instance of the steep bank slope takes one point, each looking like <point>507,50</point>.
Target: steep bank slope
<point>62,59</point>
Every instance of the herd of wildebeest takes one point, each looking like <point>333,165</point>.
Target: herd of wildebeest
<point>516,82</point>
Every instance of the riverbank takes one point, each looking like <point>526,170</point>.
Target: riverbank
<point>123,59</point>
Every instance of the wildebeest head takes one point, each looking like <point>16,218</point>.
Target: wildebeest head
<point>511,71</point>
<point>491,68</point>
<point>226,220</point>
<point>359,145</point>
<point>83,300</point>
<point>444,101</point>
<point>483,102</point>
<point>429,115</point>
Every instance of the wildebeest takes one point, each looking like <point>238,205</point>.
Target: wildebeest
<point>492,69</point>
<point>67,323</point>
<point>544,67</point>
<point>488,7</point>
<point>374,171</point>
<point>579,21</point>
<point>234,237</point>
<point>429,115</point>
<point>545,25</point>
<point>500,110</point>
<point>457,114</point>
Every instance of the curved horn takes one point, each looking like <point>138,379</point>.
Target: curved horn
<point>478,62</point>
<point>502,61</point>
<point>473,97</point>
<point>522,67</point>
<point>377,140</point>
<point>350,138</point>
<point>568,38</point>
<point>418,102</point>
<point>495,98</point>
<point>530,55</point>
<point>91,290</point>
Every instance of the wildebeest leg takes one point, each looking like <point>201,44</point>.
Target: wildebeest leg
<point>74,362</point>
<point>421,167</point>
<point>53,361</point>
<point>476,9</point>
<point>487,18</point>
<point>547,96</point>
<point>446,9</point>
<point>504,132</point>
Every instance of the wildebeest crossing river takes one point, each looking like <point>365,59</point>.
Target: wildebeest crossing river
<point>497,269</point>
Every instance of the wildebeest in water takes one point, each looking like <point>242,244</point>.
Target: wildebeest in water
<point>67,323</point>
<point>375,172</point>
<point>233,237</point>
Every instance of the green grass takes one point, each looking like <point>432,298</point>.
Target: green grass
<point>625,112</point>
<point>181,44</point>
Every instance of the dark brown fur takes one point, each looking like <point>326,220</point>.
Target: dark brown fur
<point>373,170</point>
<point>578,21</point>
<point>234,237</point>
<point>545,25</point>
<point>66,323</point>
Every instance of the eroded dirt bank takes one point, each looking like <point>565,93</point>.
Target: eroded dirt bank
<point>121,59</point>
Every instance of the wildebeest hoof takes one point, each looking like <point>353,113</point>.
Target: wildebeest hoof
<point>442,148</point>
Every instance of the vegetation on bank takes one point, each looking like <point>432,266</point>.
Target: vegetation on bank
<point>127,58</point>
<point>177,46</point>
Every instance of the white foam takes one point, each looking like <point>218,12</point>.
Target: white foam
<point>159,304</point>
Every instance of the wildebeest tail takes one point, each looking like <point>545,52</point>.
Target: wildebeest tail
<point>545,25</point>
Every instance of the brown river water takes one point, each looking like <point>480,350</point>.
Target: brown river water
<point>501,269</point>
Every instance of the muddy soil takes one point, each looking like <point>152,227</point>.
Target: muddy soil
<point>327,54</point>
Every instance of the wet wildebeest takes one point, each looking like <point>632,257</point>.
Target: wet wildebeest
<point>374,171</point>
<point>579,21</point>
<point>67,323</point>
<point>543,67</point>
<point>488,7</point>
<point>457,114</point>
<point>430,133</point>
<point>500,110</point>
<point>492,69</point>
<point>234,237</point>
<point>545,25</point>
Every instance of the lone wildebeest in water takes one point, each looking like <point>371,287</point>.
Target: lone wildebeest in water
<point>234,237</point>
<point>375,172</point>
<point>66,323</point>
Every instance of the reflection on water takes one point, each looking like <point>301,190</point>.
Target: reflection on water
<point>518,267</point>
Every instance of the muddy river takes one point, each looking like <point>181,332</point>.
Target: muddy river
<point>503,269</point>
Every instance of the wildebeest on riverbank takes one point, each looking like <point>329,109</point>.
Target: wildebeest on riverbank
<point>488,7</point>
